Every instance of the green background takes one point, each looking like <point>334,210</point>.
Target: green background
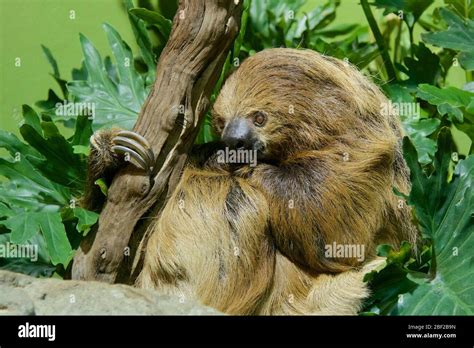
<point>25,24</point>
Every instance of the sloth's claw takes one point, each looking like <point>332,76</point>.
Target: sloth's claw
<point>141,140</point>
<point>136,146</point>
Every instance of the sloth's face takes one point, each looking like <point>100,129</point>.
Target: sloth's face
<point>243,131</point>
<point>254,130</point>
<point>258,124</point>
<point>265,105</point>
<point>282,101</point>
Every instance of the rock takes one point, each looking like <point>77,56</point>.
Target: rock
<point>24,295</point>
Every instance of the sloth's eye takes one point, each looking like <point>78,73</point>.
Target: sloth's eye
<point>259,118</point>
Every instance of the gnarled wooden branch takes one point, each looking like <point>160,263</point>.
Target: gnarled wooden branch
<point>189,66</point>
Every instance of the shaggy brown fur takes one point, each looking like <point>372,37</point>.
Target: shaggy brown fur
<point>251,240</point>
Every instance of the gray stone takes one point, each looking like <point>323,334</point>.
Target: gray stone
<point>24,295</point>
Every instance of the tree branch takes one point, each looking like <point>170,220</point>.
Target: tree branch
<point>189,66</point>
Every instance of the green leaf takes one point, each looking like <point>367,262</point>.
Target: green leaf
<point>128,76</point>
<point>449,101</point>
<point>5,211</point>
<point>60,165</point>
<point>22,197</point>
<point>462,8</point>
<point>57,160</point>
<point>445,211</point>
<point>27,186</point>
<point>22,226</point>
<point>269,24</point>
<point>51,60</point>
<point>241,37</point>
<point>206,133</point>
<point>398,93</point>
<point>81,150</point>
<point>111,70</point>
<point>319,17</point>
<point>143,42</point>
<point>168,7</point>
<point>81,73</point>
<point>83,132</point>
<point>15,146</point>
<point>115,104</point>
<point>393,279</point>
<point>459,36</point>
<point>327,48</point>
<point>56,239</point>
<point>102,185</point>
<point>25,266</point>
<point>38,266</point>
<point>425,68</point>
<point>49,127</point>
<point>32,119</point>
<point>363,56</point>
<point>428,193</point>
<point>152,17</point>
<point>55,74</point>
<point>415,8</point>
<point>419,130</point>
<point>467,60</point>
<point>86,219</point>
<point>337,30</point>
<point>50,103</point>
<point>26,225</point>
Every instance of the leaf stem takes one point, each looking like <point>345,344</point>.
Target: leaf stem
<point>469,76</point>
<point>379,40</point>
<point>410,31</point>
<point>397,42</point>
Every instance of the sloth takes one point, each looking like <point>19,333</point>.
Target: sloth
<point>260,239</point>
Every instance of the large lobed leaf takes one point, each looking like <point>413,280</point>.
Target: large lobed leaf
<point>459,36</point>
<point>439,280</point>
<point>42,179</point>
<point>456,103</point>
<point>419,129</point>
<point>462,8</point>
<point>411,10</point>
<point>450,100</point>
<point>424,67</point>
<point>117,92</point>
<point>445,211</point>
<point>26,225</point>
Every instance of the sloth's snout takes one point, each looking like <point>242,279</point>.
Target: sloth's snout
<point>238,134</point>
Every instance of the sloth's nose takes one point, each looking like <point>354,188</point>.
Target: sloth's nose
<point>238,134</point>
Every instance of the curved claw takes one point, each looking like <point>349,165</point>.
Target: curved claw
<point>141,140</point>
<point>136,146</point>
<point>133,154</point>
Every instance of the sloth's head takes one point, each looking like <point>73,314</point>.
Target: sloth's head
<point>282,101</point>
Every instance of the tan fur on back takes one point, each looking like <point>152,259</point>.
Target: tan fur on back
<point>253,241</point>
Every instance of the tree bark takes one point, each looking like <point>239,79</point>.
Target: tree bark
<point>189,66</point>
